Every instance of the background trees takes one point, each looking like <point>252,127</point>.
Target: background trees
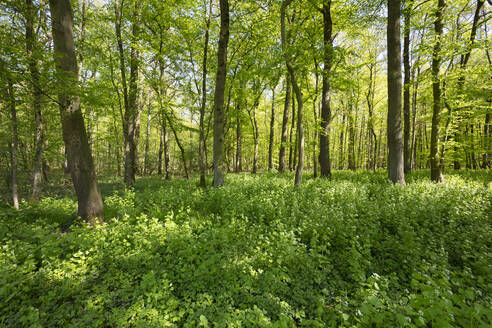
<point>147,76</point>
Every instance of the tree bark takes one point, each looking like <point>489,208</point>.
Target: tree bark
<point>285,124</point>
<point>90,206</point>
<point>406,92</point>
<point>147,137</point>
<point>201,146</point>
<point>239,160</point>
<point>10,97</point>
<point>324,137</point>
<point>395,151</point>
<point>36,102</point>
<point>272,132</point>
<point>298,93</point>
<point>436,170</point>
<point>219,94</point>
<point>463,63</point>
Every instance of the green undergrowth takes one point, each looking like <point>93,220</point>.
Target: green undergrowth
<point>354,251</point>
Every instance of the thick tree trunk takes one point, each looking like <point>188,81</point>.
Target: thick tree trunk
<point>90,206</point>
<point>324,137</point>
<point>395,151</point>
<point>201,146</point>
<point>406,92</point>
<point>36,103</point>
<point>285,124</point>
<point>219,94</point>
<point>436,170</point>
<point>272,132</point>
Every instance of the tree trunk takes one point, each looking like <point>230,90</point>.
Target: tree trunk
<point>370,120</point>
<point>90,206</point>
<point>15,140</point>
<point>256,136</point>
<point>315,113</point>
<point>272,132</point>
<point>395,151</point>
<point>351,136</point>
<point>486,132</point>
<point>147,137</point>
<point>293,137</point>
<point>201,146</point>
<point>436,170</point>
<point>285,124</point>
<point>36,104</point>
<point>406,92</point>
<point>238,167</point>
<point>324,137</point>
<point>219,94</point>
<point>298,93</point>
<point>291,133</point>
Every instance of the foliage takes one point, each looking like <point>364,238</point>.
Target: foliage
<point>355,251</point>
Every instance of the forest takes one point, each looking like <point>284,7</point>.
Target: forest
<point>260,163</point>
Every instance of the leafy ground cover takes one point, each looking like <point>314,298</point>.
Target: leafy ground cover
<point>354,251</point>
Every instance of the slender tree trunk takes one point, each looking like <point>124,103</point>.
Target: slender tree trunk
<point>147,137</point>
<point>165,142</point>
<point>219,94</point>
<point>351,136</point>
<point>256,136</point>
<point>315,113</point>
<point>239,160</point>
<point>36,104</point>
<point>298,93</point>
<point>436,170</point>
<point>486,136</point>
<point>370,120</point>
<point>414,119</point>
<point>406,92</point>
<point>161,149</point>
<point>324,137</point>
<point>341,160</point>
<point>294,136</point>
<point>272,132</point>
<point>395,151</point>
<point>463,63</point>
<point>201,146</point>
<point>291,134</point>
<point>15,141</point>
<point>90,206</point>
<point>285,124</point>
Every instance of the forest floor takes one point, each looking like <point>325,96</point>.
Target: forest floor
<point>354,251</point>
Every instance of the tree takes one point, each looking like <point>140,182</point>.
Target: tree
<point>219,94</point>
<point>298,94</point>
<point>324,136</point>
<point>436,170</point>
<point>395,151</point>
<point>90,206</point>
<point>36,103</point>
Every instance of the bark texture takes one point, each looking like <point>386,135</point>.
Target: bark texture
<point>395,149</point>
<point>219,94</point>
<point>90,206</point>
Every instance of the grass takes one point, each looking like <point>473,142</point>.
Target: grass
<point>354,251</point>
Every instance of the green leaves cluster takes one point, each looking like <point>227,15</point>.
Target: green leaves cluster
<point>356,251</point>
